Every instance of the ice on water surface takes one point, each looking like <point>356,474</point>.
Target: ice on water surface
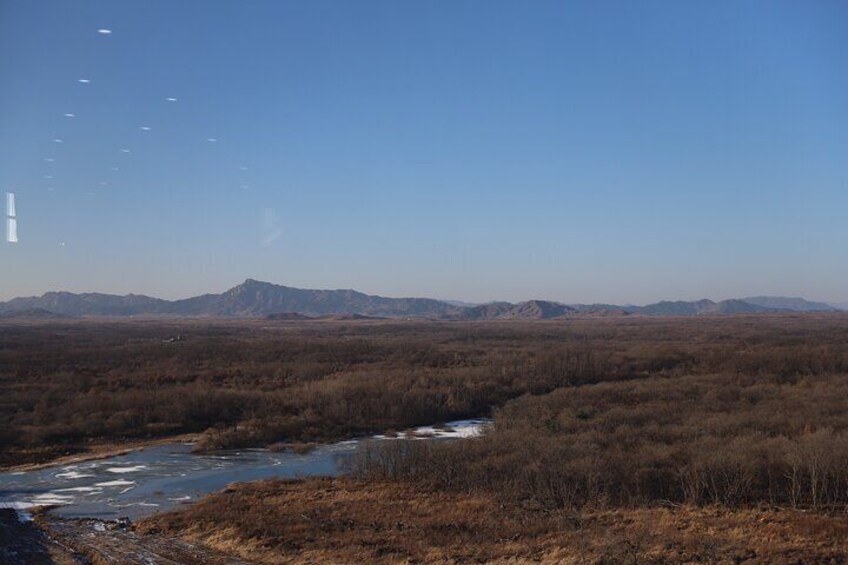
<point>159,477</point>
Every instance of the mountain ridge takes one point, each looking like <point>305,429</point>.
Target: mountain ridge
<point>790,303</point>
<point>254,298</point>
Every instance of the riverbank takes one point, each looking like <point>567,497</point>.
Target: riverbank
<point>98,451</point>
<point>136,483</point>
<point>352,521</point>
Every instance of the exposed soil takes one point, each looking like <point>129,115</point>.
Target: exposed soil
<point>24,543</point>
<point>96,542</point>
<point>51,540</point>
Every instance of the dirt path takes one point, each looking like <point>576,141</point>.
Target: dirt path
<point>96,541</point>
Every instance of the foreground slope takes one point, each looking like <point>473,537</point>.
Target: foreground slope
<point>347,521</point>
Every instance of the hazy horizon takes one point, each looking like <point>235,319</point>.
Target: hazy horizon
<point>444,298</point>
<point>476,151</point>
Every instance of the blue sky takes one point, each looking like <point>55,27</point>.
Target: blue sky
<point>573,151</point>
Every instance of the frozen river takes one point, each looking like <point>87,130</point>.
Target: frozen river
<point>159,477</point>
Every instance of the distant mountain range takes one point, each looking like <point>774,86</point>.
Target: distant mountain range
<point>261,299</point>
<point>532,309</point>
<point>250,299</point>
<point>33,314</point>
<point>784,303</point>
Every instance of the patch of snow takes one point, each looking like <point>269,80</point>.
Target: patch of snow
<point>132,469</point>
<point>118,483</point>
<point>348,442</point>
<point>20,508</point>
<point>459,429</point>
<point>52,498</point>
<point>79,489</point>
<point>17,505</point>
<point>72,475</point>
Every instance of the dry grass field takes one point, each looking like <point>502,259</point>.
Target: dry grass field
<point>348,521</point>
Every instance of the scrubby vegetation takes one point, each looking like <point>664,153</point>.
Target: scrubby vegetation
<point>63,387</point>
<point>730,439</point>
<point>348,521</point>
<point>732,418</point>
<point>66,386</point>
<point>617,440</point>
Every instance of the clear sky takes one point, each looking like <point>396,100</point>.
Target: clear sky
<point>591,151</point>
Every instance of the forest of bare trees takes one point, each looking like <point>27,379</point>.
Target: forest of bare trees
<point>648,401</point>
<point>708,439</point>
